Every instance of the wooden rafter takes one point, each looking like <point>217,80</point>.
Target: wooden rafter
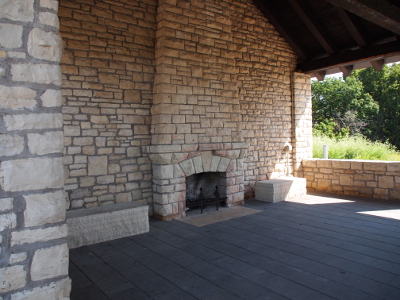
<point>267,9</point>
<point>313,25</point>
<point>374,52</point>
<point>350,24</point>
<point>379,12</point>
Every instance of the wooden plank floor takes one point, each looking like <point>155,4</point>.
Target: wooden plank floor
<point>317,247</point>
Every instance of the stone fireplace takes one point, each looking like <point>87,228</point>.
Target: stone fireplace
<point>171,170</point>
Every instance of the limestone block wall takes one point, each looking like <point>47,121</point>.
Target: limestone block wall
<point>34,252</point>
<point>107,68</point>
<point>301,121</point>
<point>264,66</point>
<point>376,179</point>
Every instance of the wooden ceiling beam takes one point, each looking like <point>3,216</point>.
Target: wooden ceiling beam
<point>313,25</point>
<point>377,64</point>
<point>346,70</point>
<point>379,12</point>
<point>269,12</point>
<point>320,75</point>
<point>350,24</point>
<point>374,52</point>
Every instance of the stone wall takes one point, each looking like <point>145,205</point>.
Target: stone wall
<point>301,121</point>
<point>34,253</point>
<point>149,84</point>
<point>376,179</point>
<point>107,67</point>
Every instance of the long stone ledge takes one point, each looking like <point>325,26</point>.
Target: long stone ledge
<point>281,189</point>
<point>106,223</point>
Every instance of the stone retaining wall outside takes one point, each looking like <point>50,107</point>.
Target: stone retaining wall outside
<point>376,179</point>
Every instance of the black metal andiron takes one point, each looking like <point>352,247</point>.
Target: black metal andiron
<point>201,201</point>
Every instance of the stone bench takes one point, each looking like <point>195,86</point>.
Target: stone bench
<point>281,189</point>
<point>105,223</point>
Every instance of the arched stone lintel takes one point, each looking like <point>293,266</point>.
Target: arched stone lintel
<point>206,162</point>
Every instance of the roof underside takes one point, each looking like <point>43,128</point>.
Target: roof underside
<point>332,36</point>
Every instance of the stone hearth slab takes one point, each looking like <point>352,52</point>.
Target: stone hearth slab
<point>281,189</point>
<point>211,216</point>
<point>105,223</point>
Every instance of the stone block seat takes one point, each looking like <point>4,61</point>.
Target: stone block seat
<point>105,223</point>
<point>281,189</point>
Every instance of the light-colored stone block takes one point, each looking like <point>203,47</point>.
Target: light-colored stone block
<point>29,236</point>
<point>49,142</point>
<point>17,10</point>
<point>33,121</point>
<point>31,174</point>
<point>187,167</point>
<point>12,278</point>
<point>163,171</point>
<point>18,257</point>
<point>17,97</point>
<point>6,204</point>
<point>59,290</point>
<point>50,19</point>
<point>98,165</point>
<point>10,36</point>
<point>37,73</point>
<point>198,164</point>
<point>11,145</point>
<point>51,98</point>
<point>50,262</point>
<point>44,208</point>
<point>104,223</point>
<point>281,189</point>
<point>8,221</point>
<point>214,163</point>
<point>206,157</point>
<point>44,45</point>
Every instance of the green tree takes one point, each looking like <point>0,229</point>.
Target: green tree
<point>346,104</point>
<point>384,87</point>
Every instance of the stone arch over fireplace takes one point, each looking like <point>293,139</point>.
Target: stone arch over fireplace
<point>170,171</point>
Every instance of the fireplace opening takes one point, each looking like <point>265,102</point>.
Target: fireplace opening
<point>205,189</point>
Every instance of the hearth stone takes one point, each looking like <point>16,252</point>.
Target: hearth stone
<point>281,189</point>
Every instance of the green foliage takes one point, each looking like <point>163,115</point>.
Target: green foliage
<point>343,102</point>
<point>366,103</point>
<point>329,128</point>
<point>384,87</point>
<point>355,147</point>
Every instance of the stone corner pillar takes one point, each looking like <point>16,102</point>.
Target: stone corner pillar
<point>32,202</point>
<point>302,120</point>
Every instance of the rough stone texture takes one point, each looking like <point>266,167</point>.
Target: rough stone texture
<point>11,145</point>
<point>31,174</point>
<point>59,290</point>
<point>51,98</point>
<point>12,278</point>
<point>50,262</point>
<point>281,189</point>
<point>38,235</point>
<point>44,45</point>
<point>33,121</point>
<point>17,97</point>
<point>44,208</point>
<point>6,204</point>
<point>10,36</point>
<point>104,223</point>
<point>46,143</point>
<point>108,70</point>
<point>17,10</point>
<point>376,179</point>
<point>39,73</point>
<point>32,213</point>
<point>7,221</point>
